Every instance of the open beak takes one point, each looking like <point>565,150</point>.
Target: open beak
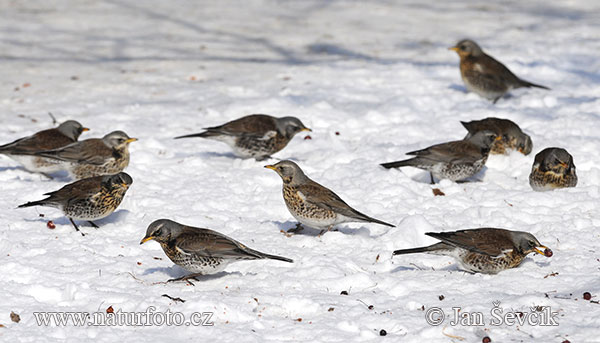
<point>454,48</point>
<point>85,129</point>
<point>131,140</point>
<point>271,167</point>
<point>306,129</point>
<point>146,239</point>
<point>539,251</point>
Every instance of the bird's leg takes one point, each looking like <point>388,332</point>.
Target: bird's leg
<point>496,100</point>
<point>298,228</point>
<point>75,226</point>
<point>323,231</point>
<point>431,176</point>
<point>187,278</point>
<point>48,176</point>
<point>93,224</point>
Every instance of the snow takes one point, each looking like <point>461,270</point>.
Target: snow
<point>380,74</point>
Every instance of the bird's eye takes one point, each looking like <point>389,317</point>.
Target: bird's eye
<point>157,233</point>
<point>463,47</point>
<point>556,161</point>
<point>532,244</point>
<point>505,137</point>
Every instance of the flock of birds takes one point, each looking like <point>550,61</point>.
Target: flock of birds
<point>98,163</point>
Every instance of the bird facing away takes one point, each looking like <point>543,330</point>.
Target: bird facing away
<point>552,168</point>
<point>94,156</point>
<point>510,135</point>
<point>255,136</point>
<point>88,199</point>
<point>455,160</point>
<point>22,149</point>
<point>483,75</point>
<point>198,250</point>
<point>484,250</point>
<point>312,204</point>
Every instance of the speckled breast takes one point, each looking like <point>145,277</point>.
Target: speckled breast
<point>305,212</point>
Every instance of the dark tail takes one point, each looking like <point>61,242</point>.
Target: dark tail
<point>397,164</point>
<point>373,220</point>
<point>529,84</point>
<point>275,257</point>
<point>413,250</point>
<point>201,134</point>
<point>34,203</point>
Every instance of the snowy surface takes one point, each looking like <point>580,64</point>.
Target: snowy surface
<point>380,74</point>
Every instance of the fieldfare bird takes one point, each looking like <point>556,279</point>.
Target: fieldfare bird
<point>483,75</point>
<point>94,156</point>
<point>511,136</point>
<point>552,168</point>
<point>88,199</point>
<point>22,149</point>
<point>455,160</point>
<point>198,250</point>
<point>255,136</point>
<point>484,250</point>
<point>312,204</point>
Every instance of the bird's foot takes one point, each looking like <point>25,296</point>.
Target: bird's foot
<point>75,226</point>
<point>297,229</point>
<point>186,278</point>
<point>93,224</point>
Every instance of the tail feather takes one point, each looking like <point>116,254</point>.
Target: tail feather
<point>275,257</point>
<point>43,202</point>
<point>530,84</point>
<point>397,164</point>
<point>413,250</point>
<point>373,220</point>
<point>201,134</point>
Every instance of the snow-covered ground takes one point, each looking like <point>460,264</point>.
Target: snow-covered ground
<point>380,74</point>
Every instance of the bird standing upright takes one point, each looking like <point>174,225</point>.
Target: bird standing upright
<point>255,136</point>
<point>483,250</point>
<point>455,160</point>
<point>22,149</point>
<point>510,135</point>
<point>94,156</point>
<point>483,75</point>
<point>312,204</point>
<point>198,250</point>
<point>552,168</point>
<point>88,199</point>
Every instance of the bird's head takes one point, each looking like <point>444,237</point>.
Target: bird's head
<point>555,160</point>
<point>162,231</point>
<point>72,129</point>
<point>467,47</point>
<point>289,171</point>
<point>121,180</point>
<point>118,140</point>
<point>526,243</point>
<point>290,126</point>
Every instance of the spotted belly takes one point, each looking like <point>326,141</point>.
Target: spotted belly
<point>458,171</point>
<point>306,213</point>
<point>96,207</point>
<point>39,164</point>
<point>112,166</point>
<point>548,181</point>
<point>196,263</point>
<point>480,263</point>
<point>258,147</point>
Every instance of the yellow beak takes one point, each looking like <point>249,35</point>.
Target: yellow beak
<point>498,138</point>
<point>271,167</point>
<point>146,239</point>
<point>131,140</point>
<point>454,48</point>
<point>125,185</point>
<point>85,129</point>
<point>306,129</point>
<point>564,165</point>
<point>541,252</point>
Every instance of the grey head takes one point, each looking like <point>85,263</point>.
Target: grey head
<point>524,143</point>
<point>71,129</point>
<point>483,139</point>
<point>290,172</point>
<point>526,242</point>
<point>121,179</point>
<point>290,126</point>
<point>557,160</point>
<point>117,140</point>
<point>162,231</point>
<point>467,47</point>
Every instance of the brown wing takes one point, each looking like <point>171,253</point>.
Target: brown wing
<point>325,198</point>
<point>43,140</point>
<point>77,190</point>
<point>90,151</point>
<point>255,124</point>
<point>488,241</point>
<point>497,71</point>
<point>451,152</point>
<point>206,242</point>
